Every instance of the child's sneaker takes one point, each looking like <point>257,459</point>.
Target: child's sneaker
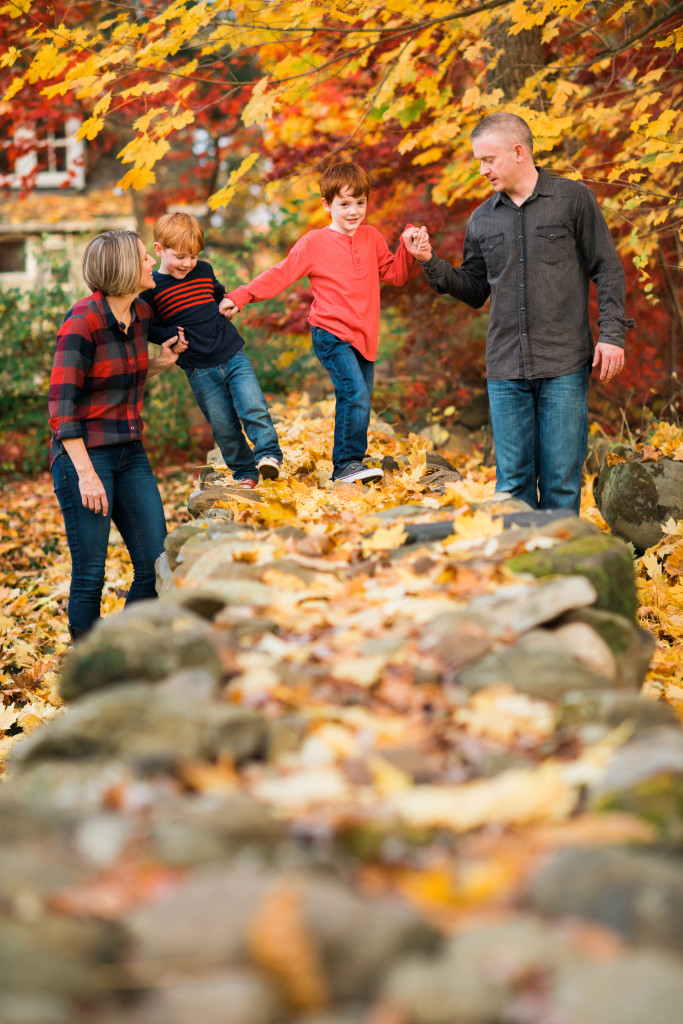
<point>358,471</point>
<point>247,482</point>
<point>268,467</point>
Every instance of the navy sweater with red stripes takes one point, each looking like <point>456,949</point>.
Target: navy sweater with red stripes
<point>192,303</point>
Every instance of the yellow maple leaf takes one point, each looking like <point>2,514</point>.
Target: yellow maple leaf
<point>261,105</point>
<point>385,538</point>
<point>513,797</point>
<point>9,58</point>
<point>225,194</point>
<point>474,526</point>
<point>137,178</point>
<point>143,89</point>
<point>16,8</point>
<point>387,777</point>
<point>91,128</point>
<point>13,88</point>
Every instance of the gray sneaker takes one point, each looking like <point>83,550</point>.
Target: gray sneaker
<point>358,471</point>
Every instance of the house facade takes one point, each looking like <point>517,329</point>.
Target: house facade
<point>45,229</point>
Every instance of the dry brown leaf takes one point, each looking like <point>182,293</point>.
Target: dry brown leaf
<point>281,943</point>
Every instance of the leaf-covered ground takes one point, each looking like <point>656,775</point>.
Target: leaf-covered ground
<point>34,564</point>
<point>34,586</point>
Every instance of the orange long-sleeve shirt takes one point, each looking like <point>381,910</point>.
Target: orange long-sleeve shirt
<point>344,272</point>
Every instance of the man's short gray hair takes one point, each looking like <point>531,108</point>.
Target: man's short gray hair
<point>513,127</point>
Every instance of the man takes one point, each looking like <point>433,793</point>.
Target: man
<point>534,247</point>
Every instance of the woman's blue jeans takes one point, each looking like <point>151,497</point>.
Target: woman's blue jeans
<point>540,431</point>
<point>135,509</point>
<point>353,377</point>
<point>229,395</point>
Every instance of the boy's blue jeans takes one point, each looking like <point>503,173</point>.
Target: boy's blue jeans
<point>229,395</point>
<point>540,431</point>
<point>136,510</point>
<point>353,377</point>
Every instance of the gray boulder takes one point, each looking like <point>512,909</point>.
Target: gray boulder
<point>638,987</point>
<point>638,894</point>
<point>147,641</point>
<point>234,995</point>
<point>138,721</point>
<point>636,498</point>
<point>207,921</point>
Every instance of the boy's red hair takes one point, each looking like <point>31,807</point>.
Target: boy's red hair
<point>340,176</point>
<point>180,231</point>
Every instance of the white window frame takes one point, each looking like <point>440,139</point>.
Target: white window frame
<point>28,275</point>
<point>75,165</point>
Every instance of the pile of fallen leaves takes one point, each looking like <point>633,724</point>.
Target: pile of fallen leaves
<point>35,570</point>
<point>35,567</point>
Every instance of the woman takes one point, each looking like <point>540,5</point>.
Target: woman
<point>99,466</point>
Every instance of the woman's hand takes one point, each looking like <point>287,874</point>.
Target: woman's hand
<point>93,494</point>
<point>168,354</point>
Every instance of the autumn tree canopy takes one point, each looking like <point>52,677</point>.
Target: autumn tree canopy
<point>398,86</point>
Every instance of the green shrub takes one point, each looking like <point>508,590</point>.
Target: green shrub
<point>30,321</point>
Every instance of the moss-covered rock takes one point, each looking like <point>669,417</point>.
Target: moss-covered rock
<point>637,498</point>
<point>631,646</point>
<point>147,642</point>
<point>605,561</point>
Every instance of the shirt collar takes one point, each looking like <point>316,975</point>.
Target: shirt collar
<point>104,310</point>
<point>544,187</point>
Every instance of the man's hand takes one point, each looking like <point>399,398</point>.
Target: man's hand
<point>416,241</point>
<point>227,307</point>
<point>610,359</point>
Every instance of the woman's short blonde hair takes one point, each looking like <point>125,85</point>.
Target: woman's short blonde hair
<point>112,263</point>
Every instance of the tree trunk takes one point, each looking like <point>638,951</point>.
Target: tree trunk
<point>521,55</point>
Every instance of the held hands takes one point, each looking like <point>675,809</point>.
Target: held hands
<point>610,359</point>
<point>416,241</point>
<point>168,353</point>
<point>171,349</point>
<point>227,307</point>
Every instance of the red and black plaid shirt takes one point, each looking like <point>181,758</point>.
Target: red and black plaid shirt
<point>98,376</point>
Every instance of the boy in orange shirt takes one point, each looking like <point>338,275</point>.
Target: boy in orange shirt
<point>344,263</point>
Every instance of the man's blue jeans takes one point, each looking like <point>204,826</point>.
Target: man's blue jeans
<point>229,395</point>
<point>540,431</point>
<point>353,377</point>
<point>136,510</point>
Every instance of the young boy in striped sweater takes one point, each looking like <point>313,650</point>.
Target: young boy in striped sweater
<point>188,298</point>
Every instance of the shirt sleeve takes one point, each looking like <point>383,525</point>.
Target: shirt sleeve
<point>271,282</point>
<point>469,283</point>
<point>157,333</point>
<point>73,359</point>
<point>393,269</point>
<point>604,268</point>
<point>218,288</point>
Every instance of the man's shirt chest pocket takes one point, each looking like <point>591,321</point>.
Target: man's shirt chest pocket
<point>554,243</point>
<point>493,251</point>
